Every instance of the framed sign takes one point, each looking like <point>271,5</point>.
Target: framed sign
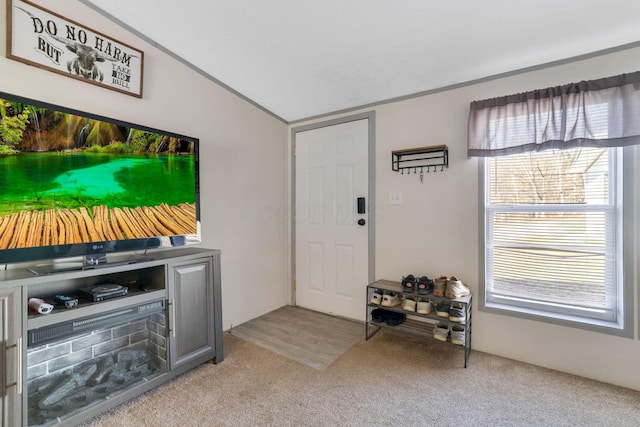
<point>44,39</point>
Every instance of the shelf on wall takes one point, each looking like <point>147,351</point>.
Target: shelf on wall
<point>420,159</point>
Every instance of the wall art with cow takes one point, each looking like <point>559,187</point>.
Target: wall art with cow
<point>39,37</point>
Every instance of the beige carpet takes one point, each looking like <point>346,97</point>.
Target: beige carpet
<point>390,380</point>
<point>311,338</point>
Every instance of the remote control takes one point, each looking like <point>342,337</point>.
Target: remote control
<point>69,302</point>
<point>40,306</point>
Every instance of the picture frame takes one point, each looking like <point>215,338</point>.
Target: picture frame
<point>47,40</point>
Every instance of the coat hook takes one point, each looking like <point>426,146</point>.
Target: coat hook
<point>401,171</point>
<point>421,176</point>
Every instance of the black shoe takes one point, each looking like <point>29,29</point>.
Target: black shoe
<point>424,285</point>
<point>378,315</point>
<point>409,283</point>
<point>391,318</point>
<point>394,319</point>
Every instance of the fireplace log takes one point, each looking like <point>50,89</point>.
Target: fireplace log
<point>76,380</point>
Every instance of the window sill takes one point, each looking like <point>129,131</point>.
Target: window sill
<point>601,326</point>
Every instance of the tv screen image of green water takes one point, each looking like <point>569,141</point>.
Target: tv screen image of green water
<point>68,179</point>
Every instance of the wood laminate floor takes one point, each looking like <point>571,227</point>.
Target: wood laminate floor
<point>308,337</point>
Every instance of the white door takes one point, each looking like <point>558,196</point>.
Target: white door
<point>332,254</point>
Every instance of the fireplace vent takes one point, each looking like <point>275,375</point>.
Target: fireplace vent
<point>95,322</point>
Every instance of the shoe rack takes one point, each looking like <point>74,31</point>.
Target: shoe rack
<point>416,324</point>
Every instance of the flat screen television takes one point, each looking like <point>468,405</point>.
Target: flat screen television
<point>75,184</point>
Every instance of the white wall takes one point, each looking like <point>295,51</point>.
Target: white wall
<point>242,163</point>
<point>435,230</point>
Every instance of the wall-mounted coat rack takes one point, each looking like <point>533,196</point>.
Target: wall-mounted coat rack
<point>419,160</point>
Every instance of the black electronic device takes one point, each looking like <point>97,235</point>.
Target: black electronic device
<point>103,292</point>
<point>69,164</point>
<point>69,302</point>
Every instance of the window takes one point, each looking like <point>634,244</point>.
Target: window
<point>560,202</point>
<point>553,240</point>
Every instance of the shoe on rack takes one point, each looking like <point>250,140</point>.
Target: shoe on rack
<point>424,306</point>
<point>442,310</point>
<point>440,286</point>
<point>394,318</point>
<point>457,313</point>
<point>376,297</point>
<point>390,299</point>
<point>409,283</point>
<point>456,289</point>
<point>458,336</point>
<point>425,285</point>
<point>378,315</point>
<point>441,331</point>
<point>409,304</point>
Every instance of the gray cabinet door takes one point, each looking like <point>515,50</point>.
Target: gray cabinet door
<point>10,357</point>
<point>191,312</point>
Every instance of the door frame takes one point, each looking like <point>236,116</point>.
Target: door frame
<point>371,117</point>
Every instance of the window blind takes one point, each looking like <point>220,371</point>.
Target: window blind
<point>551,227</point>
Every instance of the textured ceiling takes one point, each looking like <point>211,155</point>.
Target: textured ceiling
<point>303,58</point>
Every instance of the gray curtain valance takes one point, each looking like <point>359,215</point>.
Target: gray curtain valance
<point>594,113</point>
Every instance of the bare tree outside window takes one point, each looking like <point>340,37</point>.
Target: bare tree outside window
<point>547,216</point>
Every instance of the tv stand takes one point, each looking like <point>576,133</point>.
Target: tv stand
<point>89,263</point>
<point>169,322</point>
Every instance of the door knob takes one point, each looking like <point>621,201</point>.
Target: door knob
<point>361,221</point>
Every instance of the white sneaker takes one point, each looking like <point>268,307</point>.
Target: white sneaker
<point>425,307</point>
<point>456,289</point>
<point>376,298</point>
<point>390,300</point>
<point>457,335</point>
<point>441,331</point>
<point>409,304</point>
